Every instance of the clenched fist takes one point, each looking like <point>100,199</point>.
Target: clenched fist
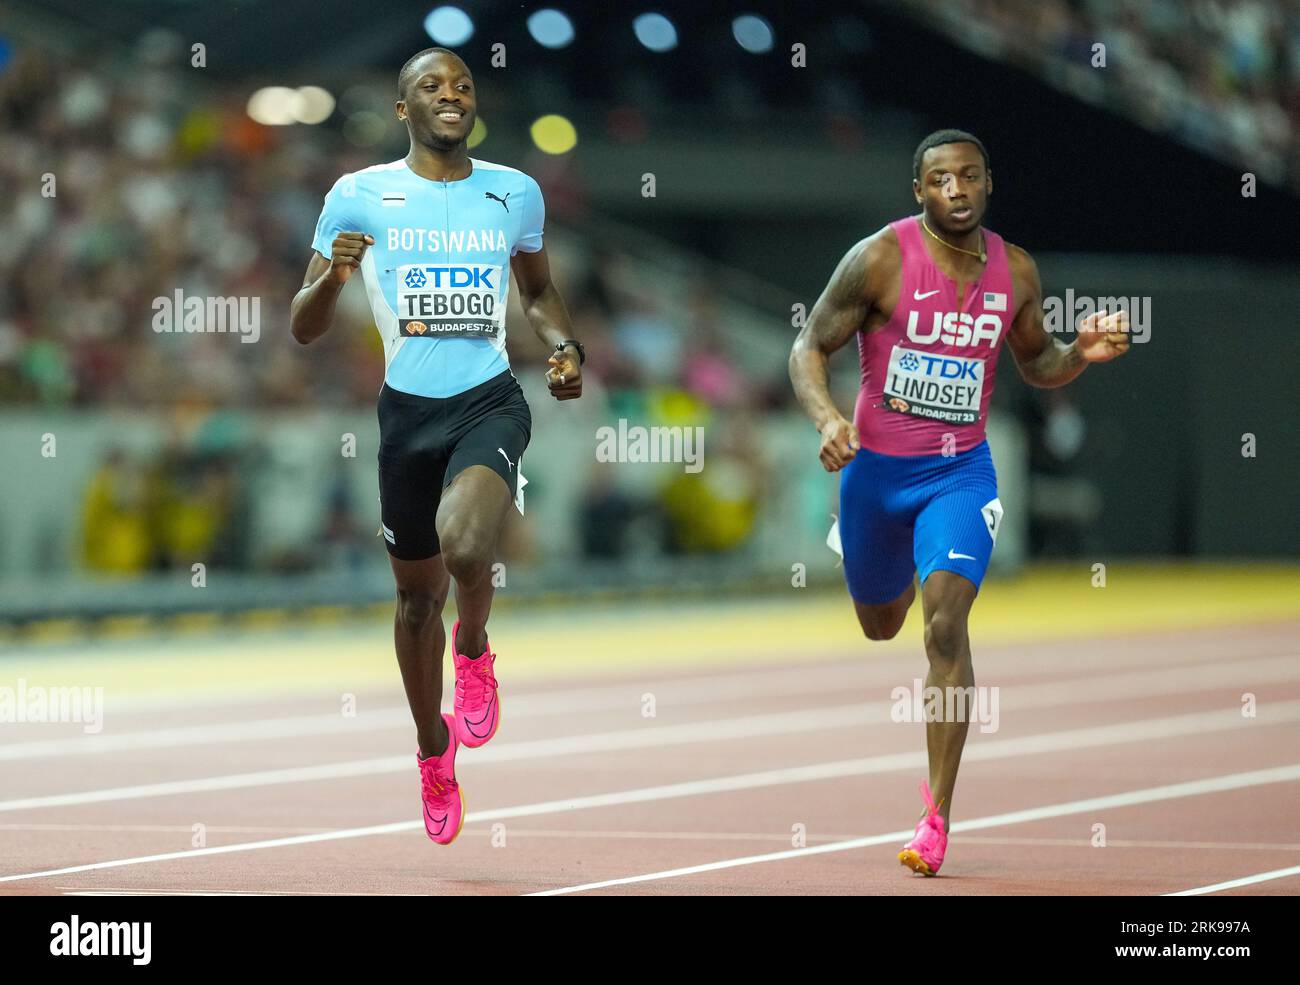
<point>840,444</point>
<point>564,378</point>
<point>1103,336</point>
<point>346,253</point>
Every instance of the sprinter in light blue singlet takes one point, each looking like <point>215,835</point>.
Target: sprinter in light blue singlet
<point>436,237</point>
<point>437,277</point>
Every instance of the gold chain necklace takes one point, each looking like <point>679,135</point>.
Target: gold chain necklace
<point>983,257</point>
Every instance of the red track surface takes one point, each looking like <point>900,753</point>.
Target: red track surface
<point>1153,846</point>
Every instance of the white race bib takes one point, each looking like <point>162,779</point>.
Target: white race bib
<point>439,301</point>
<point>940,387</point>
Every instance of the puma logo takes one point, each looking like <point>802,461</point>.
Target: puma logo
<point>507,458</point>
<point>502,201</point>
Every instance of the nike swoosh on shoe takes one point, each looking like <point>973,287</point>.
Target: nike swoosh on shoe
<point>470,726</point>
<point>441,824</point>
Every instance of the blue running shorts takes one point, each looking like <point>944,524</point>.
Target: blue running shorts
<point>900,514</point>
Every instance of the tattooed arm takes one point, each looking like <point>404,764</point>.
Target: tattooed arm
<point>838,315</point>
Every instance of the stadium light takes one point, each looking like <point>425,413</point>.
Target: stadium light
<point>272,106</point>
<point>311,104</point>
<point>553,134</point>
<point>752,33</point>
<point>478,134</point>
<point>655,31</point>
<point>279,106</point>
<point>551,28</point>
<point>449,25</point>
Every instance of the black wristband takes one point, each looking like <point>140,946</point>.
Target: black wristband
<point>582,353</point>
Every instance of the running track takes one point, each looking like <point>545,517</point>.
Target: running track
<point>583,790</point>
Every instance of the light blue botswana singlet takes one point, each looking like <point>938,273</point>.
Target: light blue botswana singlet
<point>438,275</point>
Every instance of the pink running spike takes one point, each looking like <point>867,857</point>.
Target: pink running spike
<point>477,707</point>
<point>444,805</point>
<point>924,853</point>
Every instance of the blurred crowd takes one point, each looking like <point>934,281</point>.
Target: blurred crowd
<point>120,187</point>
<point>1222,75</point>
<point>123,186</point>
<point>123,183</point>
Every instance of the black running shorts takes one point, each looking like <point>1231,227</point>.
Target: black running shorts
<point>425,442</point>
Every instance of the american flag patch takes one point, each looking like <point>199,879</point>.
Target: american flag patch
<point>393,198</point>
<point>993,301</point>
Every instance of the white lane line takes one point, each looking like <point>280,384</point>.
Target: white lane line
<point>232,781</point>
<point>997,749</point>
<point>650,735</point>
<point>161,892</point>
<point>718,688</point>
<point>1216,784</point>
<point>1054,655</point>
<point>249,730</point>
<point>721,687</point>
<point>169,828</point>
<point>654,736</point>
<point>1218,887</point>
<point>376,829</point>
<point>1086,843</point>
<point>1025,841</point>
<point>210,892</point>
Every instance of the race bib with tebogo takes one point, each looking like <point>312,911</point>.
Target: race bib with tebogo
<point>457,301</point>
<point>940,387</point>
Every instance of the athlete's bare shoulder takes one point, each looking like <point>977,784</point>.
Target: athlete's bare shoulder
<point>1024,274</point>
<point>1018,258</point>
<point>882,252</point>
<point>863,266</point>
<point>882,260</point>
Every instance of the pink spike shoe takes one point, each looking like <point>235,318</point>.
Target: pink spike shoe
<point>924,853</point>
<point>478,709</point>
<point>444,804</point>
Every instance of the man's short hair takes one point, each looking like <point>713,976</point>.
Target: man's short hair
<point>408,70</point>
<point>940,137</point>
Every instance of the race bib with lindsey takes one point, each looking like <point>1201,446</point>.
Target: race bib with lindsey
<point>445,301</point>
<point>939,387</point>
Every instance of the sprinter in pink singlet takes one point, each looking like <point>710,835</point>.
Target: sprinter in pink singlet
<point>930,299</point>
